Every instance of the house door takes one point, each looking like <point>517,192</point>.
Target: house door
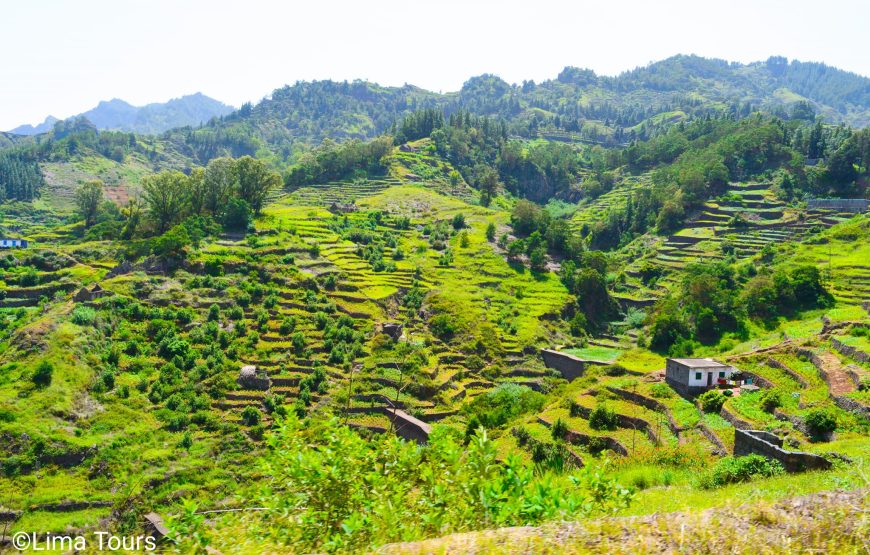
<point>709,379</point>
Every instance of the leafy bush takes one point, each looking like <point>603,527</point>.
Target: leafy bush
<point>615,370</point>
<point>251,416</point>
<point>602,418</point>
<point>770,399</point>
<point>498,406</point>
<point>661,391</point>
<point>732,470</point>
<point>559,429</point>
<point>712,401</point>
<point>43,374</point>
<point>442,325</point>
<point>574,409</point>
<point>84,316</point>
<point>331,490</point>
<point>820,422</point>
<point>173,242</point>
<point>237,215</point>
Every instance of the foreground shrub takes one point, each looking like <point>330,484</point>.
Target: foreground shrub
<point>559,429</point>
<point>732,470</point>
<point>329,489</point>
<point>661,391</point>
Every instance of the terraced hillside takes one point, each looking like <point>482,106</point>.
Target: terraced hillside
<point>589,212</point>
<point>304,300</point>
<point>127,385</point>
<point>737,226</point>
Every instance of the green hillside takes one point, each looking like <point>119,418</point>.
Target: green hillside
<point>282,344</point>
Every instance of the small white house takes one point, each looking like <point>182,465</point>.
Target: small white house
<point>690,376</point>
<point>6,243</point>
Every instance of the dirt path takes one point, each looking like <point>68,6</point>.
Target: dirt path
<point>834,374</point>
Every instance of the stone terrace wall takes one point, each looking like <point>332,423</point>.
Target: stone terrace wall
<point>769,445</point>
<point>850,351</point>
<point>569,366</point>
<point>773,363</point>
<point>649,403</point>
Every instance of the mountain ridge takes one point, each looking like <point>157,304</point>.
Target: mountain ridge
<point>599,109</point>
<point>153,118</point>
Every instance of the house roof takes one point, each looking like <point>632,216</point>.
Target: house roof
<point>700,363</point>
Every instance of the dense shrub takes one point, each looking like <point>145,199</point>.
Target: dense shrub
<point>559,429</point>
<point>712,401</point>
<point>820,422</point>
<point>770,399</point>
<point>84,316</point>
<point>731,470</point>
<point>43,374</point>
<point>602,418</point>
<point>331,490</point>
<point>498,406</point>
<point>443,326</point>
<point>251,416</point>
<point>661,391</point>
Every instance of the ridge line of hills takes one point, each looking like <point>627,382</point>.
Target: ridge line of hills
<point>670,89</point>
<point>156,117</point>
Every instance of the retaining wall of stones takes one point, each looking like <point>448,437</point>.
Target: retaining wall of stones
<point>850,351</point>
<point>769,445</point>
<point>569,366</point>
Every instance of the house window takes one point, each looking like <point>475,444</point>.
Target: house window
<point>698,376</point>
<point>721,374</point>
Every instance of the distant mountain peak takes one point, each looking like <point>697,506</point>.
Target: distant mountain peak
<point>119,115</point>
<point>43,127</point>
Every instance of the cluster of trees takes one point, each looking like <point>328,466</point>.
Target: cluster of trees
<point>643,210</point>
<point>694,162</point>
<point>20,176</point>
<point>78,137</point>
<point>478,146</point>
<point>305,113</point>
<point>784,291</point>
<point>418,125</point>
<point>540,232</point>
<point>586,279</point>
<point>845,169</point>
<point>332,161</point>
<point>538,171</point>
<point>226,190</point>
<point>712,300</point>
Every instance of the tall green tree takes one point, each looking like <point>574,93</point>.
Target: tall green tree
<point>166,195</point>
<point>255,180</point>
<point>219,182</point>
<point>88,199</point>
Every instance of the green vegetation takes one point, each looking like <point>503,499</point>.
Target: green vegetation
<point>245,315</point>
<point>731,470</point>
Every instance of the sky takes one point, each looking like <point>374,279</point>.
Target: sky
<point>61,57</point>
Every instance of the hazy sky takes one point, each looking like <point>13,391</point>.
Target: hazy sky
<point>62,57</point>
